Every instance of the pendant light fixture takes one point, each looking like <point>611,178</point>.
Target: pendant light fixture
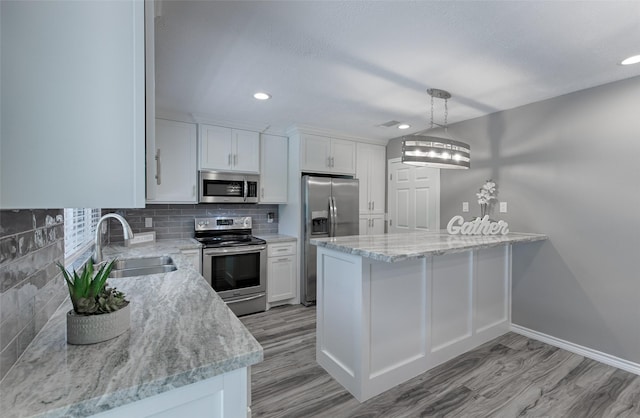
<point>436,151</point>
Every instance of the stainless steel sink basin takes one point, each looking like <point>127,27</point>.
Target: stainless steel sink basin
<point>142,266</point>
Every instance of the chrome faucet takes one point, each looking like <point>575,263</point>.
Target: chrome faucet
<point>128,234</point>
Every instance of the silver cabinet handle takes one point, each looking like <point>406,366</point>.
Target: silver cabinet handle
<point>283,259</point>
<point>373,205</point>
<point>262,192</point>
<point>328,161</point>
<point>332,162</point>
<point>235,159</point>
<point>158,180</point>
<point>193,191</point>
<point>229,160</point>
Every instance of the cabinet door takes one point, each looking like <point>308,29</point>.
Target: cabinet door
<point>73,105</point>
<point>376,178</point>
<point>377,225</point>
<point>343,156</point>
<point>362,174</point>
<point>281,278</point>
<point>175,173</point>
<point>215,148</point>
<point>273,169</point>
<point>314,153</point>
<point>246,151</point>
<point>364,224</point>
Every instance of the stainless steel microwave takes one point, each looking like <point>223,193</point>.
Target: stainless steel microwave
<point>216,187</point>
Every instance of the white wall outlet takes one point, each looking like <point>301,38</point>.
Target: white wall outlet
<point>148,222</point>
<point>465,206</point>
<point>503,207</point>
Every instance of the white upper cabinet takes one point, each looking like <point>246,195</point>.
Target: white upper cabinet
<point>274,151</point>
<point>174,169</point>
<point>73,104</point>
<point>371,173</point>
<point>328,155</point>
<point>226,149</point>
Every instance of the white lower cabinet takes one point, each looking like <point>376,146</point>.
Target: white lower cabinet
<point>225,395</point>
<point>371,224</point>
<point>281,273</point>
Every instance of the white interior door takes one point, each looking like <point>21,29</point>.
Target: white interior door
<point>413,198</point>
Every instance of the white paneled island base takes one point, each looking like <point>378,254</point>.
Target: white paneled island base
<point>381,323</point>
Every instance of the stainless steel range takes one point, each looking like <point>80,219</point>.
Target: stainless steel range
<point>234,262</point>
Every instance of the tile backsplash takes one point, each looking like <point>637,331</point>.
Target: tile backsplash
<point>176,221</point>
<point>31,285</point>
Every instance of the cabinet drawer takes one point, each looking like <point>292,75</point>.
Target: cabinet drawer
<point>285,248</point>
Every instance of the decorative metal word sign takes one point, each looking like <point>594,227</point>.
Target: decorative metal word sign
<point>479,226</point>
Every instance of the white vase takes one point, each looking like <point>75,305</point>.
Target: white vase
<point>484,210</point>
<point>91,329</point>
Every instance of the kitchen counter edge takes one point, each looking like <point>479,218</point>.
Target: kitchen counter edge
<point>393,248</point>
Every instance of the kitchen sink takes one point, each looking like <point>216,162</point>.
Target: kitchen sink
<point>142,266</point>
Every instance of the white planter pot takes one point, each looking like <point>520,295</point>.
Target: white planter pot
<point>91,329</point>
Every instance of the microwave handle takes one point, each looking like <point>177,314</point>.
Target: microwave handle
<point>245,191</point>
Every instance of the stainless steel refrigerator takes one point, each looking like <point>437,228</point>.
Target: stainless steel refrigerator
<point>329,209</point>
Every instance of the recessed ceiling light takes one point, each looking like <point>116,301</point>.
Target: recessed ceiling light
<point>262,96</point>
<point>404,126</point>
<point>631,60</point>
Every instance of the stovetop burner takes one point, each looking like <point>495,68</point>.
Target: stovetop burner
<point>225,232</point>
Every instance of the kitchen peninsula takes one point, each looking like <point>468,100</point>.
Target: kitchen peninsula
<point>390,307</point>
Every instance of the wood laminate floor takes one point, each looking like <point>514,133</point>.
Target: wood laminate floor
<point>511,376</point>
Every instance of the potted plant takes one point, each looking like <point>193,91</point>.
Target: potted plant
<point>99,313</point>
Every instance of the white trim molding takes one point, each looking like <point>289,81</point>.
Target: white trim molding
<point>605,358</point>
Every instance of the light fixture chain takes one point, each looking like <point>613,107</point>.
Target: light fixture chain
<point>431,127</point>
<point>446,113</point>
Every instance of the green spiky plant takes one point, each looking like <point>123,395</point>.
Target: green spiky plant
<point>89,292</point>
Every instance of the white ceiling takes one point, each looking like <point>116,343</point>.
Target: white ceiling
<point>349,66</point>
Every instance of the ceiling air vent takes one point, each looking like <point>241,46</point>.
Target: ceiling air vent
<point>389,124</point>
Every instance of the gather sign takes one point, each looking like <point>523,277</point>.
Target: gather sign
<point>457,226</point>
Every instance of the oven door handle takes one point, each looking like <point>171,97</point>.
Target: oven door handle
<point>233,250</point>
<point>229,302</point>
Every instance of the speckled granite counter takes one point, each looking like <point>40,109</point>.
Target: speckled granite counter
<point>181,332</point>
<point>273,238</point>
<point>398,247</point>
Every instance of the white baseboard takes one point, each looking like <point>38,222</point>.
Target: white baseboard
<point>579,349</point>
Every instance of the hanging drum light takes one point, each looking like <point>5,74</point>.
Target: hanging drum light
<point>435,151</point>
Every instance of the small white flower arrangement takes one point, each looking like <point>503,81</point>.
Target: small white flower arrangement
<point>487,193</point>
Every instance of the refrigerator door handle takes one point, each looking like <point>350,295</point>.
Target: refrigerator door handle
<point>332,216</point>
<point>335,213</point>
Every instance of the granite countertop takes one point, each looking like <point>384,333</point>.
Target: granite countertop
<point>399,247</point>
<point>181,332</point>
<point>273,238</point>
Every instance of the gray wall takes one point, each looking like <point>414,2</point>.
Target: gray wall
<point>31,285</point>
<point>176,221</point>
<point>568,167</point>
